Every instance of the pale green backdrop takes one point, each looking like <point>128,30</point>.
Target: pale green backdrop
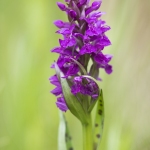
<point>28,115</point>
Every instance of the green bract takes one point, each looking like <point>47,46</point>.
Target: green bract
<point>72,102</point>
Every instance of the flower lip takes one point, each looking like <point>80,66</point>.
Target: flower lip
<point>57,91</point>
<point>61,104</point>
<point>108,69</point>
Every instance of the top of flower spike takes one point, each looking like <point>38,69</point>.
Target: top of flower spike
<point>84,39</point>
<point>81,2</point>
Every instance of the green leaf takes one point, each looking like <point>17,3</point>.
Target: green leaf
<point>99,121</point>
<point>64,138</point>
<point>68,137</point>
<point>72,102</point>
<point>61,133</point>
<point>93,102</point>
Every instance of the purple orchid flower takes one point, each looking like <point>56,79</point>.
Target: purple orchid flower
<point>83,40</point>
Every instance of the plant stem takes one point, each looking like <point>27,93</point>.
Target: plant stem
<point>87,135</point>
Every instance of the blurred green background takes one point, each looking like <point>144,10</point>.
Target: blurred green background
<point>28,116</point>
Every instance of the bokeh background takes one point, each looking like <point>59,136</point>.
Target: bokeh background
<point>28,116</point>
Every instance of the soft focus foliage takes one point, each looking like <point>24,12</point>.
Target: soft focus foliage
<point>28,115</point>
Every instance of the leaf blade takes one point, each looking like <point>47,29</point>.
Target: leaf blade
<point>99,121</point>
<point>64,138</point>
<point>61,133</point>
<point>68,137</point>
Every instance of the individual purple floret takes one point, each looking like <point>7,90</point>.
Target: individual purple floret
<point>84,86</point>
<point>61,104</point>
<point>83,40</point>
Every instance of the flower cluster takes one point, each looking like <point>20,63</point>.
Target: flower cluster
<point>83,40</point>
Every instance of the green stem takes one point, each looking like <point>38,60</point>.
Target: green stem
<point>87,135</point>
